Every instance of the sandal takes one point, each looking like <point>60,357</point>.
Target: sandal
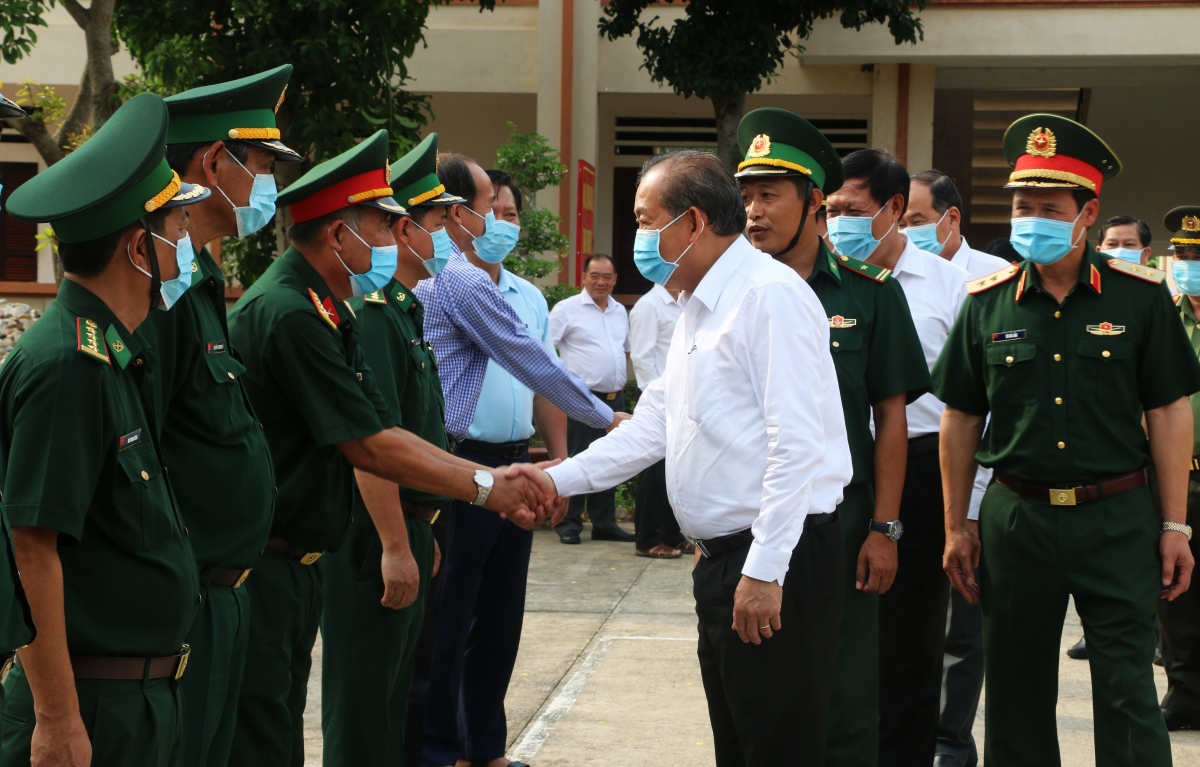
<point>686,547</point>
<point>661,551</point>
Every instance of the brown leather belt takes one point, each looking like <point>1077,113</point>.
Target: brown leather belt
<point>418,511</point>
<point>285,547</point>
<point>223,576</point>
<point>1071,496</point>
<point>112,667</point>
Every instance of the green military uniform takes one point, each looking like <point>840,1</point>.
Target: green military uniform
<point>877,355</point>
<point>209,432</point>
<point>1066,386</point>
<point>79,455</point>
<point>1180,619</point>
<point>368,650</point>
<point>309,382</point>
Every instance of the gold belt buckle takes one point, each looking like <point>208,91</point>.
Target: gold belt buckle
<point>311,557</point>
<point>612,395</point>
<point>184,652</point>
<point>1062,497</point>
<point>242,578</point>
<point>437,513</point>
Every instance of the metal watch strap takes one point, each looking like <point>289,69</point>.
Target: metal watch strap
<point>484,490</point>
<point>1178,528</point>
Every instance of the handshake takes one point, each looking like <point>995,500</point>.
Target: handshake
<point>525,495</point>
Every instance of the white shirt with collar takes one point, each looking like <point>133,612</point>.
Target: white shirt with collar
<point>976,262</point>
<point>748,414</point>
<point>592,341</point>
<point>651,324</point>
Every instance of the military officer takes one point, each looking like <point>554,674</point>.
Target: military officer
<point>320,406</point>
<point>100,542</point>
<point>1065,351</point>
<point>369,631</point>
<point>209,431</point>
<point>1180,619</point>
<point>880,366</point>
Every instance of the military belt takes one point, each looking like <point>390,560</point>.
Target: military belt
<point>715,547</point>
<point>285,547</point>
<point>419,511</point>
<point>223,576</point>
<point>125,668</point>
<point>509,450</point>
<point>1076,494</point>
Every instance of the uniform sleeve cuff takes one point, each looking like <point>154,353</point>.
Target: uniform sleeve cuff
<point>569,478</point>
<point>765,564</point>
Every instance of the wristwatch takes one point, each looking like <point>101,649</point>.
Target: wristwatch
<point>893,530</point>
<point>484,481</point>
<point>1179,528</point>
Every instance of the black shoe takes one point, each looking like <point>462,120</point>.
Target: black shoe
<point>1175,722</point>
<point>568,537</point>
<point>612,534</point>
<point>1078,651</point>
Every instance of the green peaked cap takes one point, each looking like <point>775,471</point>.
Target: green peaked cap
<point>414,177</point>
<point>358,176</point>
<point>1184,221</point>
<point>1055,152</point>
<point>776,142</point>
<point>9,109</point>
<point>242,109</point>
<point>118,176</point>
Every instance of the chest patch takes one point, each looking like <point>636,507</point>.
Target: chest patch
<point>837,321</point>
<point>215,347</point>
<point>130,439</point>
<point>1106,329</point>
<point>1008,335</point>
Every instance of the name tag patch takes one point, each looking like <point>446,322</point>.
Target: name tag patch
<point>130,439</point>
<point>1106,329</point>
<point>1008,335</point>
<point>215,347</point>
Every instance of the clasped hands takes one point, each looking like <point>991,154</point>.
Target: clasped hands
<point>525,495</point>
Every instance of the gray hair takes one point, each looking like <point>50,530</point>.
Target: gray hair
<point>700,180</point>
<point>308,232</point>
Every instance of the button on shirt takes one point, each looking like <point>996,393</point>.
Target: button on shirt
<point>748,414</point>
<point>593,342</point>
<point>651,324</point>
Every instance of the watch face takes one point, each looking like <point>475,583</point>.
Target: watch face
<point>895,530</point>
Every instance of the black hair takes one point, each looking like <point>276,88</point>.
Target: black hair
<point>941,188</point>
<point>500,178</point>
<point>308,232</point>
<point>454,171</point>
<point>1002,247</point>
<point>1143,229</point>
<point>179,156</point>
<point>598,257</point>
<point>418,213</point>
<point>91,257</point>
<point>701,180</point>
<point>879,173</point>
<point>1082,197</point>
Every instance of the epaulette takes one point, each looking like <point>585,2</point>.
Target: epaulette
<point>877,273</point>
<point>989,281</point>
<point>89,340</point>
<point>1137,270</point>
<point>375,298</point>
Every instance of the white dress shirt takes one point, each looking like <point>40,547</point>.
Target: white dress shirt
<point>975,262</point>
<point>593,342</point>
<point>651,324</point>
<point>747,413</point>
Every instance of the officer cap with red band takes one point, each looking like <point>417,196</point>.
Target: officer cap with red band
<point>1048,151</point>
<point>359,176</point>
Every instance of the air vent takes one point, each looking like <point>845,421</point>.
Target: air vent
<point>645,136</point>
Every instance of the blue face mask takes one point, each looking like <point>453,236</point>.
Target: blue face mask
<point>1125,254</point>
<point>441,250</point>
<point>498,238</point>
<point>172,290</point>
<point>1187,276</point>
<point>925,236</point>
<point>1043,241</point>
<point>383,268</point>
<point>851,235</point>
<point>647,258</point>
<point>262,203</point>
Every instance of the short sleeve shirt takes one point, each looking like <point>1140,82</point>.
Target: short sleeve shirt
<point>874,344</point>
<point>1189,326</point>
<point>1066,384</point>
<point>312,388</point>
<point>221,467</point>
<point>79,455</point>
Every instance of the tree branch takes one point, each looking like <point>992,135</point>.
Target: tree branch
<point>39,135</point>
<point>80,114</point>
<point>81,15</point>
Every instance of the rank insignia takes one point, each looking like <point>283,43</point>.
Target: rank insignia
<point>1106,329</point>
<point>214,347</point>
<point>1008,335</point>
<point>1041,143</point>
<point>993,279</point>
<point>129,440</point>
<point>375,298</point>
<point>88,340</point>
<point>837,321</point>
<point>1137,270</point>
<point>119,350</point>
<point>325,309</point>
<point>195,267</point>
<point>760,146</point>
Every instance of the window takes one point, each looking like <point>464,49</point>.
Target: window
<point>18,239</point>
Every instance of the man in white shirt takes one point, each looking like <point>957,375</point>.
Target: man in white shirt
<point>934,224</point>
<point>912,614</point>
<point>749,418</point>
<point>651,325</point>
<point>591,331</point>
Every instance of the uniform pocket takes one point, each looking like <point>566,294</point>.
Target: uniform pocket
<point>226,410</point>
<point>143,519</point>
<point>1013,379</point>
<point>704,399</point>
<point>1106,368</point>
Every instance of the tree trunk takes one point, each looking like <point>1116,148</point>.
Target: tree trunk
<point>728,108</point>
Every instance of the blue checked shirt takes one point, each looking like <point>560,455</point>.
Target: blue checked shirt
<point>468,321</point>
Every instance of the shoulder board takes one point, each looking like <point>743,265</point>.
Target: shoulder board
<point>89,340</point>
<point>325,309</point>
<point>1137,270</point>
<point>987,282</point>
<point>877,273</point>
<point>375,298</point>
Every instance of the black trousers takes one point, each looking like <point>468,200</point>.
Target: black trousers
<point>1180,621</point>
<point>602,506</point>
<point>654,520</point>
<point>443,533</point>
<point>962,680</point>
<point>769,703</point>
<point>912,620</point>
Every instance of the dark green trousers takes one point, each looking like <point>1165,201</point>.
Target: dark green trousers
<point>367,650</point>
<point>854,711</point>
<point>283,627</point>
<point>130,724</point>
<point>1181,632</point>
<point>219,638</point>
<point>1035,556</point>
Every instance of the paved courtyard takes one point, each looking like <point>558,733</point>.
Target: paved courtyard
<point>607,672</point>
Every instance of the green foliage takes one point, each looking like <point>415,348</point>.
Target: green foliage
<point>18,19</point>
<point>133,85</point>
<point>534,166</point>
<point>246,259</point>
<point>47,105</point>
<point>556,293</point>
<point>540,234</point>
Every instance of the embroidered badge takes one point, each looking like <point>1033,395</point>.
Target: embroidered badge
<point>1008,335</point>
<point>838,321</point>
<point>760,146</point>
<point>325,309</point>
<point>130,439</point>
<point>1106,329</point>
<point>88,340</point>
<point>195,267</point>
<point>119,350</point>
<point>214,347</point>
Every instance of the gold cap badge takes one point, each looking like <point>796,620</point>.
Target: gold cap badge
<point>1190,224</point>
<point>1041,143</point>
<point>760,146</point>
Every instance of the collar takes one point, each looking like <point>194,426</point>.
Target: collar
<point>296,261</point>
<point>714,281</point>
<point>911,260</point>
<point>963,254</point>
<point>662,294</point>
<point>507,282</point>
<point>108,337</point>
<point>204,264</point>
<point>586,298</point>
<point>826,264</point>
<point>1089,273</point>
<point>399,296</point>
<point>1185,308</point>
